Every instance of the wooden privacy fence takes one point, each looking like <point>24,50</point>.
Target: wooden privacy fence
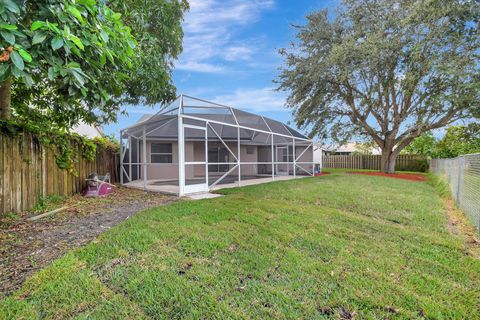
<point>373,162</point>
<point>28,171</point>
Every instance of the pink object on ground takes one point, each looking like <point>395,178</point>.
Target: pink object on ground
<point>98,186</point>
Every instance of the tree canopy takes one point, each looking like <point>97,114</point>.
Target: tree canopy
<point>457,141</point>
<point>157,27</point>
<point>66,47</point>
<point>386,69</point>
<point>423,145</point>
<point>64,61</point>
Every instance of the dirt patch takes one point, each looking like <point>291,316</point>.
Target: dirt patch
<point>458,225</point>
<point>404,176</point>
<point>26,246</point>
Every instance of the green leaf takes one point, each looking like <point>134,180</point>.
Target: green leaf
<point>8,36</point>
<point>73,65</point>
<point>37,25</point>
<point>5,71</point>
<point>104,35</point>
<point>57,42</point>
<point>7,26</point>
<point>78,77</point>
<point>132,44</point>
<point>25,55</point>
<point>105,95</point>
<point>51,73</point>
<point>74,11</point>
<point>17,60</point>
<point>53,27</point>
<point>77,41</point>
<point>38,38</point>
<point>103,60</point>
<point>17,73</point>
<point>27,79</point>
<point>76,52</point>
<point>88,3</point>
<point>109,56</point>
<point>116,16</point>
<point>11,6</point>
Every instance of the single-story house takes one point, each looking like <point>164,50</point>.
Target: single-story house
<point>193,145</point>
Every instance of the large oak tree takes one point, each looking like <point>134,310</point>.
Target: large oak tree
<point>385,69</point>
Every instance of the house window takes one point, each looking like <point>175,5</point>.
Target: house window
<point>250,149</point>
<point>161,153</point>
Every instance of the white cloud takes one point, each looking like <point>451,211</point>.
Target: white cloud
<point>210,15</point>
<point>255,100</point>
<point>210,28</point>
<point>238,53</point>
<point>200,67</point>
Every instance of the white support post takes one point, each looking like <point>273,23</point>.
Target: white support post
<point>144,159</point>
<point>138,158</point>
<point>206,153</point>
<point>294,159</point>
<point>181,158</point>
<point>288,160</point>
<point>238,157</point>
<point>273,162</point>
<point>130,157</point>
<point>321,160</point>
<point>121,157</point>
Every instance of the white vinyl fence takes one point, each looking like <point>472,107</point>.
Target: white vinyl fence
<point>463,177</point>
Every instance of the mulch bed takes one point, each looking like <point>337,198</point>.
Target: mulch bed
<point>321,174</point>
<point>404,176</point>
<point>27,246</point>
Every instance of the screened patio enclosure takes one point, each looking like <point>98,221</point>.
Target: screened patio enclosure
<point>193,145</point>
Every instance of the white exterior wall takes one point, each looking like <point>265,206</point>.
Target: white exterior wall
<point>163,171</point>
<point>317,154</point>
<point>195,151</point>
<point>87,130</point>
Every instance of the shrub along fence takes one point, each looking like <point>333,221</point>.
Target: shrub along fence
<point>28,171</point>
<point>373,162</point>
<point>462,174</point>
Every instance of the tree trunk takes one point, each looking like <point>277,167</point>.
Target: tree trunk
<point>5,95</point>
<point>388,160</point>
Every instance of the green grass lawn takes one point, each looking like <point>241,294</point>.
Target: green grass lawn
<point>335,246</point>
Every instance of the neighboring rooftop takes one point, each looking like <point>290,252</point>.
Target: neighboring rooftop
<point>348,148</point>
<point>87,130</point>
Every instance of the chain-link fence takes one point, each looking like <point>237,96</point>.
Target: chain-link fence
<point>463,177</point>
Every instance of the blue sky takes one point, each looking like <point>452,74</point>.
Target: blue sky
<point>231,54</point>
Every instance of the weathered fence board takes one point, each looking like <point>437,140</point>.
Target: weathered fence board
<point>373,162</point>
<point>28,171</point>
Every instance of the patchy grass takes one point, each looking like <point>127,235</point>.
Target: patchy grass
<point>336,246</point>
<point>48,203</point>
<point>458,223</point>
<point>8,219</point>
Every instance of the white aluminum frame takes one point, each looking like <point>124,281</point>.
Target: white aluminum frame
<point>182,188</point>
